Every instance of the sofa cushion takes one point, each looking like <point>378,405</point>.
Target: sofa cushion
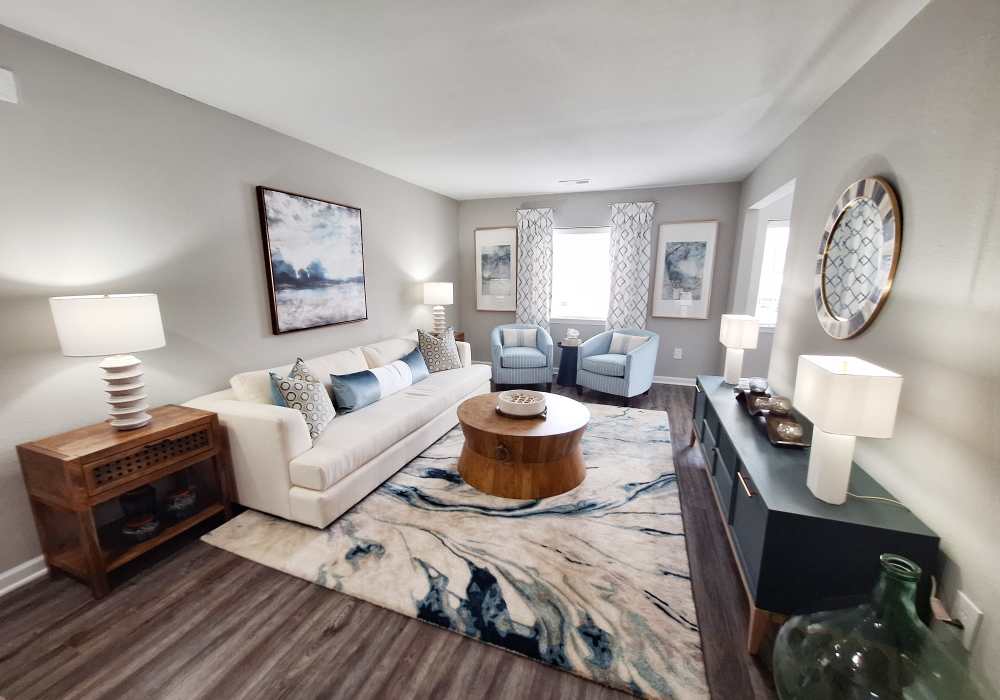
<point>355,438</point>
<point>522,358</point>
<point>610,365</point>
<point>385,351</point>
<point>255,386</point>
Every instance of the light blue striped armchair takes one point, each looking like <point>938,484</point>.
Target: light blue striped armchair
<point>521,365</point>
<point>622,374</point>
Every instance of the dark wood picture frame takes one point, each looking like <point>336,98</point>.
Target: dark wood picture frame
<point>272,288</point>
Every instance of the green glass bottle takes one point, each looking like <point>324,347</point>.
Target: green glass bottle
<point>877,651</point>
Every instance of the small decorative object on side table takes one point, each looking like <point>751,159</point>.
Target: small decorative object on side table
<point>70,477</point>
<point>567,364</point>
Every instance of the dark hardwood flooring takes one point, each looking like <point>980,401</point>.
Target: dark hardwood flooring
<point>192,621</point>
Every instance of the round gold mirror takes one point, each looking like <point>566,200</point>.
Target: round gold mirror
<point>858,257</point>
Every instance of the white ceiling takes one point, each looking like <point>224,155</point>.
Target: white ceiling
<point>487,98</point>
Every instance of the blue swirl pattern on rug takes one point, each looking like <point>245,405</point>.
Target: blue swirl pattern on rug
<point>594,582</point>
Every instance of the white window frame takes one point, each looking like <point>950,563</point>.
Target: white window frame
<point>758,270</point>
<point>581,320</point>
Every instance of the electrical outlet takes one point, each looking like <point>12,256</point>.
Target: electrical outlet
<point>678,353</point>
<point>970,616</point>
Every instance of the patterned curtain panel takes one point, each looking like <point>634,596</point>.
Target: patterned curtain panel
<point>631,253</point>
<point>534,266</point>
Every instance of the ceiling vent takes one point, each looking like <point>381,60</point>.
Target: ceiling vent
<point>575,181</point>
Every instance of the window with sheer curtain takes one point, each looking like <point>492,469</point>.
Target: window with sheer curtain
<point>581,273</point>
<point>772,269</point>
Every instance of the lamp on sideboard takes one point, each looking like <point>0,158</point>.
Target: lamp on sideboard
<point>438,295</point>
<point>737,333</point>
<point>112,325</point>
<point>845,398</point>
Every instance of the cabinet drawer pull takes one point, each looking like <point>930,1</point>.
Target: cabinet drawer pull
<point>743,483</point>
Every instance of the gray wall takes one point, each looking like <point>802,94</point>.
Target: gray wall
<point>110,184</point>
<point>923,113</point>
<point>698,338</point>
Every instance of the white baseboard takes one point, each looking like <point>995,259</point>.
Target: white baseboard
<point>22,575</point>
<point>679,381</point>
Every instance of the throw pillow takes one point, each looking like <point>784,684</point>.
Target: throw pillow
<point>310,398</point>
<point>359,389</point>
<point>623,344</point>
<point>439,353</point>
<point>520,337</point>
<point>299,371</point>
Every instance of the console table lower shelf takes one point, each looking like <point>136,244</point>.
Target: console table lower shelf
<point>795,553</point>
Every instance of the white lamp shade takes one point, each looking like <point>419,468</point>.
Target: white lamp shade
<point>847,395</point>
<point>107,324</point>
<point>738,331</point>
<point>438,293</point>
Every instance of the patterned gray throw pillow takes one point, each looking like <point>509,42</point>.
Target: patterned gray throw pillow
<point>310,398</point>
<point>439,353</point>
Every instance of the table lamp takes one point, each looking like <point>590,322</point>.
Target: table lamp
<point>110,325</point>
<point>737,333</point>
<point>438,294</point>
<point>845,398</point>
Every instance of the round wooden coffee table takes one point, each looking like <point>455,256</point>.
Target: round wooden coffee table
<point>522,457</point>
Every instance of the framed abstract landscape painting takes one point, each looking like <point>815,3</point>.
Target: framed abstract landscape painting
<point>315,261</point>
<point>685,258</point>
<point>496,269</point>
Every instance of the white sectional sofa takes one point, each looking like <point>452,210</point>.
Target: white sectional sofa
<point>278,469</point>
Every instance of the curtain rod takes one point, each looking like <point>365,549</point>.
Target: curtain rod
<point>609,204</point>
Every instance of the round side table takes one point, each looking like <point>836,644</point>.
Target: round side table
<point>567,365</point>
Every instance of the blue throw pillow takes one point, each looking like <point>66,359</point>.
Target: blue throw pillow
<point>359,389</point>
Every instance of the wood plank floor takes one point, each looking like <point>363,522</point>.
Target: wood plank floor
<point>193,621</point>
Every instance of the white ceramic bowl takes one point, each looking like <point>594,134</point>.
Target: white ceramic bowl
<point>521,402</point>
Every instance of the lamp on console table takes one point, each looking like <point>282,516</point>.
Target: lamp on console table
<point>845,398</point>
<point>110,325</point>
<point>438,295</point>
<point>737,333</point>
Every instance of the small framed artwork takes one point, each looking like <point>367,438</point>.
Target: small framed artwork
<point>684,261</point>
<point>496,268</point>
<point>314,259</point>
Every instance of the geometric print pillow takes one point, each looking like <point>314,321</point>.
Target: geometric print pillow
<point>309,398</point>
<point>439,353</point>
<point>299,371</point>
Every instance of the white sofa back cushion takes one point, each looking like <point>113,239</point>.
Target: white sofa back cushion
<point>255,386</point>
<point>385,351</point>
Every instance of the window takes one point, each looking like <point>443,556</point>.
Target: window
<point>772,268</point>
<point>581,273</point>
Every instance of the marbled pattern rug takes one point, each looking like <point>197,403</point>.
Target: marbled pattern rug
<point>595,581</point>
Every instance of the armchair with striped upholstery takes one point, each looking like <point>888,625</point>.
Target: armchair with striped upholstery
<point>604,368</point>
<point>518,364</point>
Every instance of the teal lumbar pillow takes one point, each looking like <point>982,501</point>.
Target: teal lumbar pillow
<point>359,389</point>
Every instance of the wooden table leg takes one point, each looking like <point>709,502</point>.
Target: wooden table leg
<point>92,554</point>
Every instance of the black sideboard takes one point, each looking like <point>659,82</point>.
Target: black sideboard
<point>796,553</point>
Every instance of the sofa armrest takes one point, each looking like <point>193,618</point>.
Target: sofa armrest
<point>263,439</point>
<point>464,353</point>
<point>640,366</point>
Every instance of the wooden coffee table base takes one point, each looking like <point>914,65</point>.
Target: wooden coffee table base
<point>522,479</point>
<point>522,458</point>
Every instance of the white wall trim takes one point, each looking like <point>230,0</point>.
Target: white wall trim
<point>679,381</point>
<point>22,575</point>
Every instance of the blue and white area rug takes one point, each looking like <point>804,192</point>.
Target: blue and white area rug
<point>594,582</point>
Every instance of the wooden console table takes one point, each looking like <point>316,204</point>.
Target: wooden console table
<point>794,552</point>
<point>69,477</point>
